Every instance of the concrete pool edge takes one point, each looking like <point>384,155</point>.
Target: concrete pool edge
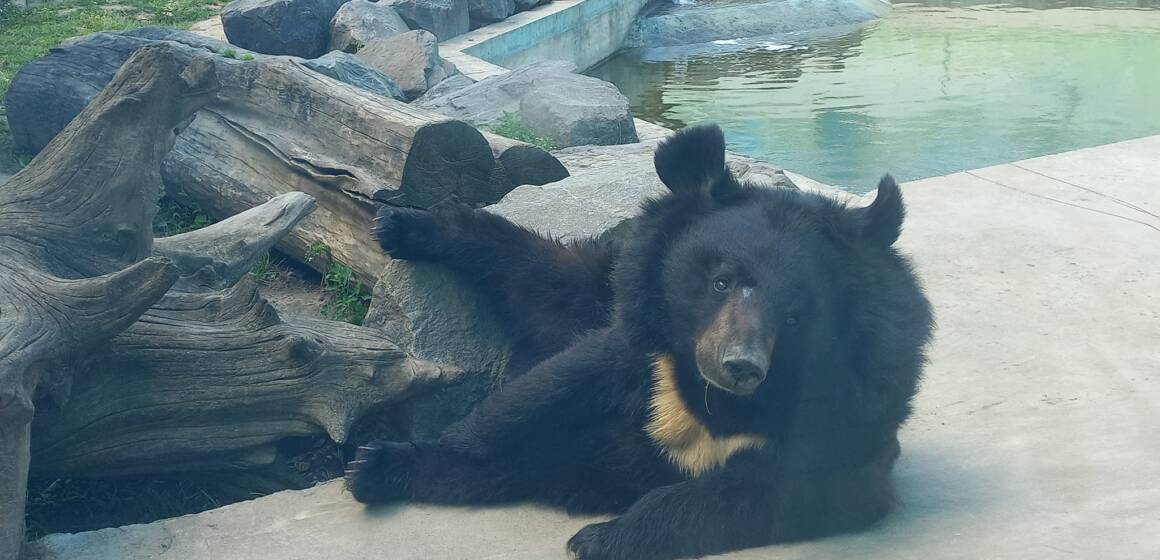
<point>584,32</point>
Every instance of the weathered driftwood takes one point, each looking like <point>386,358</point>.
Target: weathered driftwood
<point>208,381</point>
<point>74,230</point>
<point>156,358</point>
<point>280,127</point>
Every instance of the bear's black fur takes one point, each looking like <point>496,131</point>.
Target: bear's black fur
<point>734,375</point>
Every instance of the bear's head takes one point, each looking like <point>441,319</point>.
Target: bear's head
<point>754,291</point>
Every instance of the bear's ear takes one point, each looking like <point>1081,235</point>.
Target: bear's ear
<point>881,222</point>
<point>692,160</point>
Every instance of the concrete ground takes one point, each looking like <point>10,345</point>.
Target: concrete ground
<point>1035,434</point>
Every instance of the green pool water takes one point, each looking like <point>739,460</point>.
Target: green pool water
<point>930,89</point>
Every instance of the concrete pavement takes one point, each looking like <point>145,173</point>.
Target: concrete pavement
<point>1036,433</point>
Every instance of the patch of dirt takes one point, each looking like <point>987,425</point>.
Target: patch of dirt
<point>211,28</point>
<point>293,289</point>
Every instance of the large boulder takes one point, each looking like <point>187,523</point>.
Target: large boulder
<point>445,87</point>
<point>588,203</point>
<point>483,12</point>
<point>411,59</point>
<point>574,110</point>
<point>444,18</point>
<point>359,21</point>
<point>686,25</point>
<point>486,101</point>
<point>548,99</point>
<point>346,67</point>
<point>293,27</point>
<point>429,311</point>
<point>73,73</point>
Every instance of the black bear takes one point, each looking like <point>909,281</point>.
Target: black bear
<point>733,374</point>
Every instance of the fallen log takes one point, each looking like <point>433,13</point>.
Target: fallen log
<point>119,355</point>
<point>278,126</point>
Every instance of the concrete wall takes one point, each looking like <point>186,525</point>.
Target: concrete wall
<point>582,31</point>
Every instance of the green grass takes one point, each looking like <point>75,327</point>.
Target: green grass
<point>510,126</point>
<point>26,34</point>
<point>29,33</point>
<point>176,217</point>
<point>347,299</point>
<point>265,271</point>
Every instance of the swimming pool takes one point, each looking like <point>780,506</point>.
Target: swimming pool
<point>932,88</point>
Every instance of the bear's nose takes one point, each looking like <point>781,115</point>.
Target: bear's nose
<point>746,372</point>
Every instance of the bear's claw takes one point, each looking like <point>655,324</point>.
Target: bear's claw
<point>380,472</point>
<point>593,543</point>
<point>404,233</point>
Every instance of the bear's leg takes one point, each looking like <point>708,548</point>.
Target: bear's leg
<point>749,502</point>
<point>429,472</point>
<point>546,291</point>
<point>385,472</point>
<point>532,424</point>
<point>728,509</point>
<point>583,385</point>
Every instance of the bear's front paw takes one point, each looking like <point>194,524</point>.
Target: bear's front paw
<point>405,233</point>
<point>594,542</point>
<point>381,472</point>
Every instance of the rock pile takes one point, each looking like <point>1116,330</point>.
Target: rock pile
<point>547,98</point>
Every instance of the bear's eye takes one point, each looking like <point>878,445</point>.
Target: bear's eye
<point>722,283</point>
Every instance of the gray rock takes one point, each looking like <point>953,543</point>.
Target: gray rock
<point>433,314</point>
<point>589,203</point>
<point>359,21</point>
<point>351,69</point>
<point>483,12</point>
<point>548,98</point>
<point>574,110</point>
<point>487,100</point>
<point>411,59</point>
<point>4,177</point>
<point>293,27</point>
<point>583,160</point>
<point>444,18</point>
<point>702,24</point>
<point>48,92</point>
<point>447,86</point>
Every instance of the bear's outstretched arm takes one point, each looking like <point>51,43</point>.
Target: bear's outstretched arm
<point>546,291</point>
<point>729,509</point>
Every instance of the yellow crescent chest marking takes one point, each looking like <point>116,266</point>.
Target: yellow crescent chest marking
<point>684,440</point>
